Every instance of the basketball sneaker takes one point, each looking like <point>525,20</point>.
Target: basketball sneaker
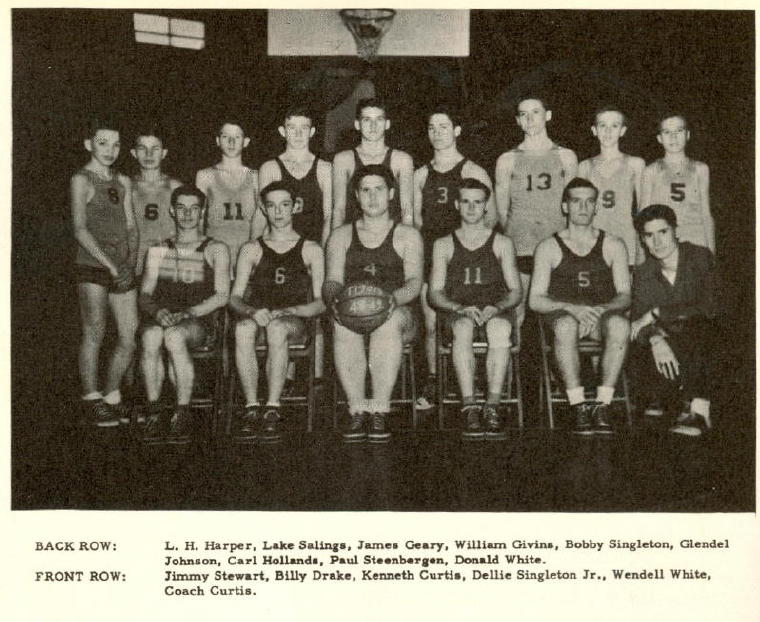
<point>691,424</point>
<point>356,430</point>
<point>123,411</point>
<point>158,424</point>
<point>600,418</point>
<point>378,428</point>
<point>472,427</point>
<point>427,397</point>
<point>496,429</point>
<point>270,428</point>
<point>181,426</point>
<point>101,414</point>
<point>581,419</point>
<point>654,409</point>
<point>248,426</point>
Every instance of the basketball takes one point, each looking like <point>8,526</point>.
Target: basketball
<point>362,307</point>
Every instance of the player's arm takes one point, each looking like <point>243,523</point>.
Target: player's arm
<point>341,175</point>
<point>248,259</point>
<point>268,173</point>
<point>569,163</point>
<point>443,251</point>
<point>405,174</point>
<point>80,188</point>
<point>335,264</point>
<point>504,167</point>
<point>258,219</point>
<point>324,179</point>
<point>420,176</point>
<point>145,301</point>
<point>411,241</point>
<point>203,180</point>
<point>545,258</point>
<point>315,261</point>
<point>647,183</point>
<point>703,182</point>
<point>218,256</point>
<point>174,184</point>
<point>637,165</point>
<point>505,251</point>
<point>470,169</point>
<point>614,249</point>
<point>133,234</point>
<point>584,169</point>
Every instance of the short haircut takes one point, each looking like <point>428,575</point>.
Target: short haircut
<point>671,115</point>
<point>278,185</point>
<point>578,182</point>
<point>373,169</point>
<point>101,123</point>
<point>446,109</point>
<point>522,98</point>
<point>230,121</point>
<point>187,191</point>
<point>470,183</point>
<point>149,130</point>
<point>370,102</point>
<point>298,110</point>
<point>609,108</point>
<point>654,212</point>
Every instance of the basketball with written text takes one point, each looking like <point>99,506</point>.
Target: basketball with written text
<point>362,307</point>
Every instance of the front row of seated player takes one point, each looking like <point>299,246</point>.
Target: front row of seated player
<point>581,285</point>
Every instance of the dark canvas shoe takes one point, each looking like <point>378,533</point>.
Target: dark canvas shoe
<point>496,429</point>
<point>472,428</point>
<point>270,428</point>
<point>182,425</point>
<point>157,426</point>
<point>600,418</point>
<point>356,429</point>
<point>100,413</point>
<point>378,428</point>
<point>427,397</point>
<point>581,419</point>
<point>691,424</point>
<point>248,426</point>
<point>123,411</point>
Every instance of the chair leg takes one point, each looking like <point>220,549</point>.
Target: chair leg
<point>627,396</point>
<point>413,389</point>
<point>311,402</point>
<point>440,361</point>
<point>547,383</point>
<point>518,391</point>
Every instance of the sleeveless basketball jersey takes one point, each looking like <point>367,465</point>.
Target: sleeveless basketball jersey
<point>280,279</point>
<point>614,207</point>
<point>230,211</point>
<point>106,221</point>
<point>583,279</point>
<point>475,277</point>
<point>439,213</point>
<point>353,209</point>
<point>154,222</point>
<point>185,278</point>
<point>535,198</point>
<point>309,221</point>
<point>680,191</point>
<point>381,266</point>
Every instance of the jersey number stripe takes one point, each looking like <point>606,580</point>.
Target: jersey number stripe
<point>228,211</point>
<point>544,182</point>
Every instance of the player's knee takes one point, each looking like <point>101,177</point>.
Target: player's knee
<point>277,333</point>
<point>175,340</point>
<point>565,329</point>
<point>151,340</point>
<point>498,332</point>
<point>617,329</point>
<point>462,329</point>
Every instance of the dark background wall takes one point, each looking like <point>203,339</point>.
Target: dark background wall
<point>68,64</point>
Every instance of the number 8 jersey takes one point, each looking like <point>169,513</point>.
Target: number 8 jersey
<point>535,213</point>
<point>150,202</point>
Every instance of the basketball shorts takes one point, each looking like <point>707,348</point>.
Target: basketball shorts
<point>201,331</point>
<point>296,327</point>
<point>479,334</point>
<point>550,318</point>
<point>525,264</point>
<point>98,276</point>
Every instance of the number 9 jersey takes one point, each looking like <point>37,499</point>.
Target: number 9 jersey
<point>150,202</point>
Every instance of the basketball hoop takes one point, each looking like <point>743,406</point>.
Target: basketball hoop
<point>367,26</point>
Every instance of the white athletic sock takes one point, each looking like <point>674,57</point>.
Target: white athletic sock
<point>575,396</point>
<point>252,405</point>
<point>358,407</point>
<point>113,398</point>
<point>700,406</point>
<point>379,406</point>
<point>273,404</point>
<point>91,397</point>
<point>605,395</point>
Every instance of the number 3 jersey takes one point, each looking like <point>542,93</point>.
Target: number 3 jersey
<point>150,202</point>
<point>279,280</point>
<point>614,207</point>
<point>582,279</point>
<point>474,277</point>
<point>231,209</point>
<point>679,189</point>
<point>535,213</point>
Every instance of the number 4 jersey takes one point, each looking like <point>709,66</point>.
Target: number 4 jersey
<point>150,201</point>
<point>679,189</point>
<point>535,213</point>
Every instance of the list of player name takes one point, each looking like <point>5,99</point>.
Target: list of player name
<point>221,568</point>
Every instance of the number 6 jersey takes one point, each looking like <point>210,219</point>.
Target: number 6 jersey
<point>150,202</point>
<point>279,280</point>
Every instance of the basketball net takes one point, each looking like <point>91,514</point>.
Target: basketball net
<point>367,26</point>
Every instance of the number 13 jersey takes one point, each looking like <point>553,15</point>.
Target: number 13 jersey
<point>535,192</point>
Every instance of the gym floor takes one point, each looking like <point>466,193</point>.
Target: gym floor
<point>59,465</point>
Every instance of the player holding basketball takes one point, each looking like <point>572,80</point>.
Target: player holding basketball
<point>372,121</point>
<point>618,178</point>
<point>436,186</point>
<point>186,280</point>
<point>582,284</point>
<point>529,184</point>
<point>151,194</point>
<point>681,183</point>
<point>475,281</point>
<point>674,302</point>
<point>104,228</point>
<point>309,176</point>
<point>231,189</point>
<point>278,284</point>
<point>374,248</point>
